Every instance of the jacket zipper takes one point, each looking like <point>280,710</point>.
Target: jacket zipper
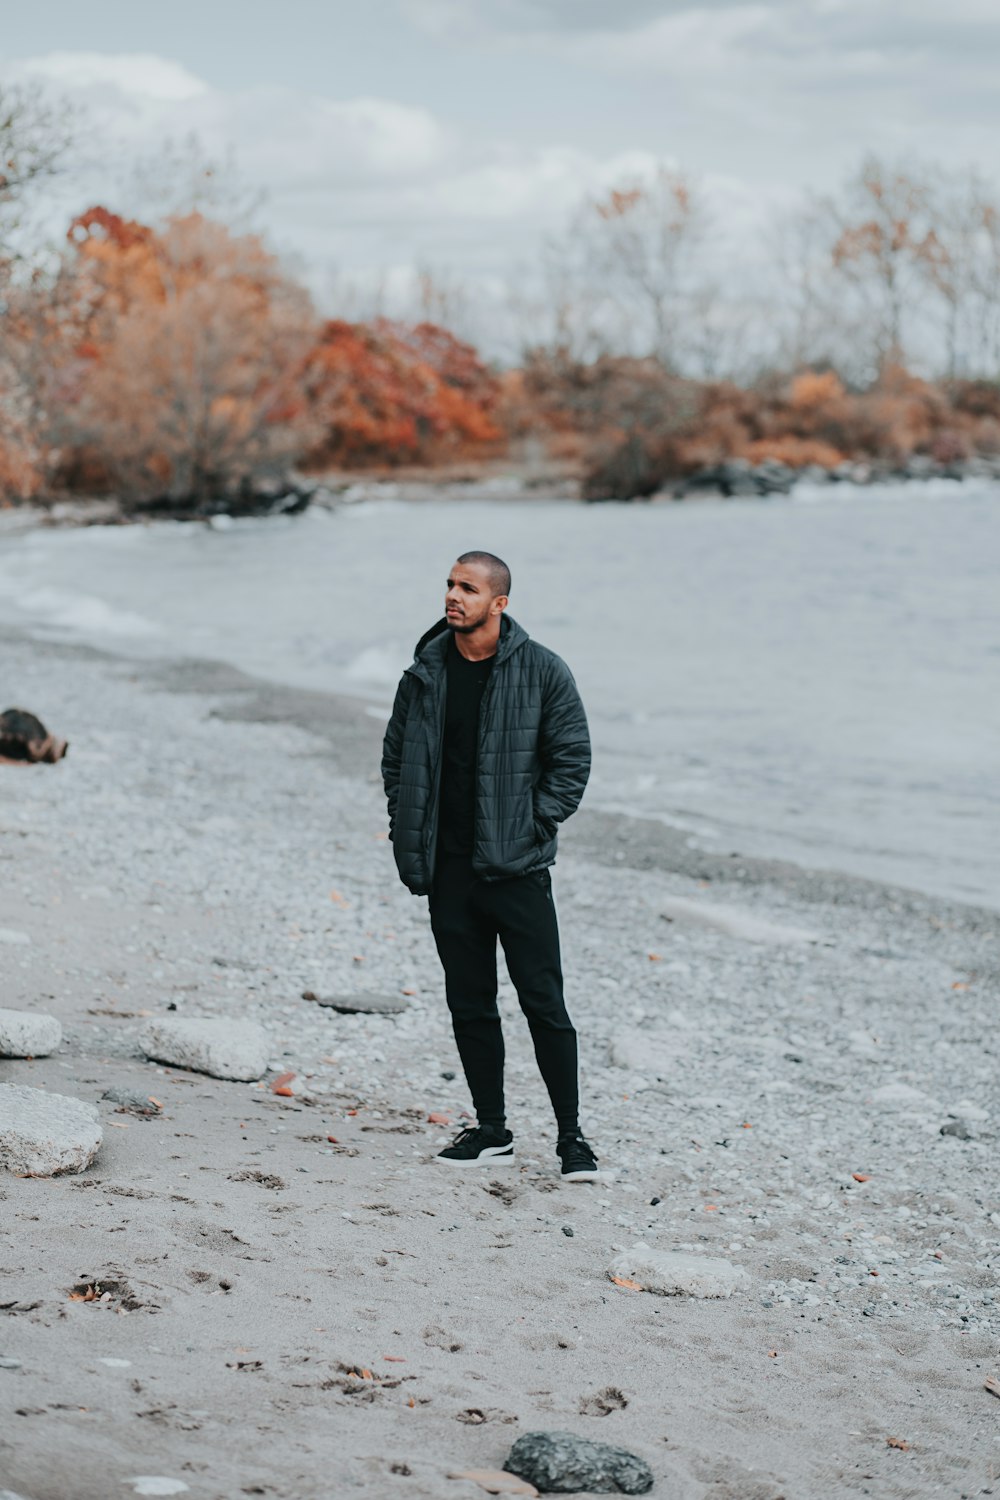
<point>430,835</point>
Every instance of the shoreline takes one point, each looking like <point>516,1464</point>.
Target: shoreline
<point>755,1039</point>
<point>729,480</point>
<point>351,728</point>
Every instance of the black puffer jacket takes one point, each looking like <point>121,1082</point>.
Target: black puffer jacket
<point>533,761</point>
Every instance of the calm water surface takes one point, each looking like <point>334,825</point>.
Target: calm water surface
<point>818,679</point>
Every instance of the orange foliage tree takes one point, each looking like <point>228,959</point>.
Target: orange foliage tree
<point>392,394</point>
<point>187,361</point>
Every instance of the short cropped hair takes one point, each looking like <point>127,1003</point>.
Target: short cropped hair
<point>496,569</point>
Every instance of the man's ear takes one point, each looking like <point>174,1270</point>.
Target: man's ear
<point>500,603</point>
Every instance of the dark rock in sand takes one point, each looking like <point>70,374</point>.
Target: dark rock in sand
<point>23,737</point>
<point>561,1463</point>
<point>361,1005</point>
<point>957,1128</point>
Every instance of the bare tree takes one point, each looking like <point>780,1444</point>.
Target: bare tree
<point>641,243</point>
<point>180,178</point>
<point>964,270</point>
<point>886,238</point>
<point>35,134</point>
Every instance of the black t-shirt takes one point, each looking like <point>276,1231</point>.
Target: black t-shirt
<point>466,681</point>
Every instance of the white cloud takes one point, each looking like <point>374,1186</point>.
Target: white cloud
<point>346,180</point>
<point>139,74</point>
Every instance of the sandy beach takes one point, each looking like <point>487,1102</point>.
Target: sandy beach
<point>304,1304</point>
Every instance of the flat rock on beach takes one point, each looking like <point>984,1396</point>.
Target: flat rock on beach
<point>42,1133</point>
<point>24,1033</point>
<point>236,1050</point>
<point>675,1273</point>
<point>364,1004</point>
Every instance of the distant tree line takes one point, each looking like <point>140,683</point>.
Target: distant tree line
<point>178,362</point>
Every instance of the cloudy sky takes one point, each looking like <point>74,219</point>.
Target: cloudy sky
<point>458,133</point>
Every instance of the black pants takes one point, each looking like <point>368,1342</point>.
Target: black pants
<point>467,917</point>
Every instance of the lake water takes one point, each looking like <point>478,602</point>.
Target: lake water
<point>817,678</point>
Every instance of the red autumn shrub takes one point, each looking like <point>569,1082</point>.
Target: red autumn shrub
<point>386,393</point>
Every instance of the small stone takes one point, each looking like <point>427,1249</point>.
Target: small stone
<point>25,1033</point>
<point>494,1482</point>
<point>43,1133</point>
<point>675,1273</point>
<point>561,1462</point>
<point>957,1128</point>
<point>965,1109</point>
<point>567,1230</point>
<point>225,1049</point>
<point>365,1004</point>
<point>131,1100</point>
<point>9,1364</point>
<point>157,1484</point>
<point>652,1052</point>
<point>899,1095</point>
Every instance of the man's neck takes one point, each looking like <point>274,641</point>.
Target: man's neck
<point>480,643</point>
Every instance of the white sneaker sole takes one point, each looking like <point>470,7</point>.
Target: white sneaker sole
<point>488,1158</point>
<point>585,1176</point>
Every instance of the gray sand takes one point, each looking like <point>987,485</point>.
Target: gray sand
<point>216,845</point>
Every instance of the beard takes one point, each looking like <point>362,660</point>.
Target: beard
<point>467,624</point>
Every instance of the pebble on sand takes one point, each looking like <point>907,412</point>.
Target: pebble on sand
<point>561,1462</point>
<point>675,1273</point>
<point>131,1101</point>
<point>362,1004</point>
<point>495,1482</point>
<point>42,1133</point>
<point>24,1033</point>
<point>236,1050</point>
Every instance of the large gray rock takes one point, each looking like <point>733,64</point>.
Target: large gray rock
<point>560,1462</point>
<point>43,1133</point>
<point>26,1034</point>
<point>226,1049</point>
<point>675,1273</point>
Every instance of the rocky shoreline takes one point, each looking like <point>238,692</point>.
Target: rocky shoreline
<point>261,1283</point>
<point>735,478</point>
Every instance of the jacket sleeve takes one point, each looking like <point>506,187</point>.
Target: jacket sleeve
<point>563,749</point>
<point>392,748</point>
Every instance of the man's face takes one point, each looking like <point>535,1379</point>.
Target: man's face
<point>469,599</point>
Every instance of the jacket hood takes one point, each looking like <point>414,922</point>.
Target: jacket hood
<point>431,645</point>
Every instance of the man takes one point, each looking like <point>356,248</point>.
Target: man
<point>486,753</point>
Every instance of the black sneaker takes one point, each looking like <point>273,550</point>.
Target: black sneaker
<point>479,1146</point>
<point>579,1164</point>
